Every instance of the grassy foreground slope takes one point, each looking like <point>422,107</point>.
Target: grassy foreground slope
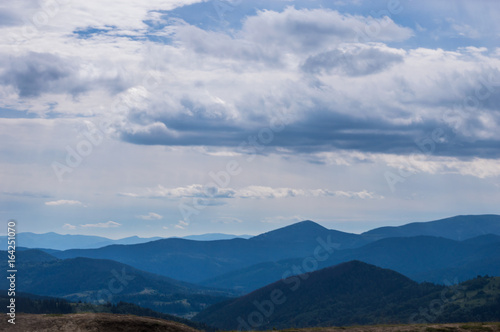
<point>104,322</point>
<point>95,322</point>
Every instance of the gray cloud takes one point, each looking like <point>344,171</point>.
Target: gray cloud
<point>353,62</point>
<point>8,18</point>
<point>34,74</point>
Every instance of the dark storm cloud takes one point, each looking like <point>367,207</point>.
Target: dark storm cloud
<point>34,74</point>
<point>317,131</point>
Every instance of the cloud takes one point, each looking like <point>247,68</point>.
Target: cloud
<point>181,224</point>
<point>304,30</point>
<point>261,192</point>
<point>69,226</point>
<point>64,202</point>
<point>151,216</point>
<point>195,190</point>
<point>419,162</point>
<point>255,192</point>
<point>356,61</point>
<point>109,224</point>
<point>36,73</point>
<point>336,80</point>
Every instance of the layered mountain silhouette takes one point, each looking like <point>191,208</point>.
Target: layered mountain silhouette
<point>455,228</point>
<point>353,293</point>
<point>56,241</point>
<point>201,261</point>
<point>421,258</point>
<point>183,277</point>
<point>101,281</point>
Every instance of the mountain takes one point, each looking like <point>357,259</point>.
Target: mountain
<point>354,293</point>
<point>215,236</point>
<point>194,261</point>
<point>33,255</point>
<point>455,228</point>
<point>421,258</point>
<point>346,294</point>
<point>197,261</point>
<point>56,241</point>
<point>306,230</point>
<point>98,280</point>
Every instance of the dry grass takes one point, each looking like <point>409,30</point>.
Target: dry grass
<point>458,327</point>
<point>91,322</point>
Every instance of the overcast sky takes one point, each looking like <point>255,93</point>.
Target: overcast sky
<point>169,118</point>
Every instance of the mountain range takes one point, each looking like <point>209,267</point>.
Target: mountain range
<point>57,241</point>
<point>186,277</point>
<point>201,261</point>
<point>421,258</point>
<point>101,281</point>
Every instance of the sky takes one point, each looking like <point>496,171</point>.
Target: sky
<point>169,118</point>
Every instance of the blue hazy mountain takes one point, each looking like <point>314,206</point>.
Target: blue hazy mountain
<point>101,281</point>
<point>421,258</point>
<point>215,236</point>
<point>57,241</point>
<point>197,261</point>
<point>194,261</point>
<point>455,228</point>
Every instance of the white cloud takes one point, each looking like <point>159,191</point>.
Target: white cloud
<point>181,224</point>
<point>109,224</point>
<point>195,190</point>
<point>64,202</point>
<point>69,226</point>
<point>151,216</point>
<point>255,192</point>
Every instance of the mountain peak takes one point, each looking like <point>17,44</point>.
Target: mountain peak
<point>302,229</point>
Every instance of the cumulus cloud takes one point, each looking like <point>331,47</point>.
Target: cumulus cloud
<point>195,190</point>
<point>36,73</point>
<point>64,202</point>
<point>109,224</point>
<point>255,192</point>
<point>419,162</point>
<point>151,216</point>
<point>305,30</point>
<point>69,226</point>
<point>355,61</point>
<point>181,224</point>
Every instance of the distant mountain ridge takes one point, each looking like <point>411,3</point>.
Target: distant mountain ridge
<point>215,237</point>
<point>421,258</point>
<point>91,280</point>
<point>197,261</point>
<point>57,241</point>
<point>455,228</point>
